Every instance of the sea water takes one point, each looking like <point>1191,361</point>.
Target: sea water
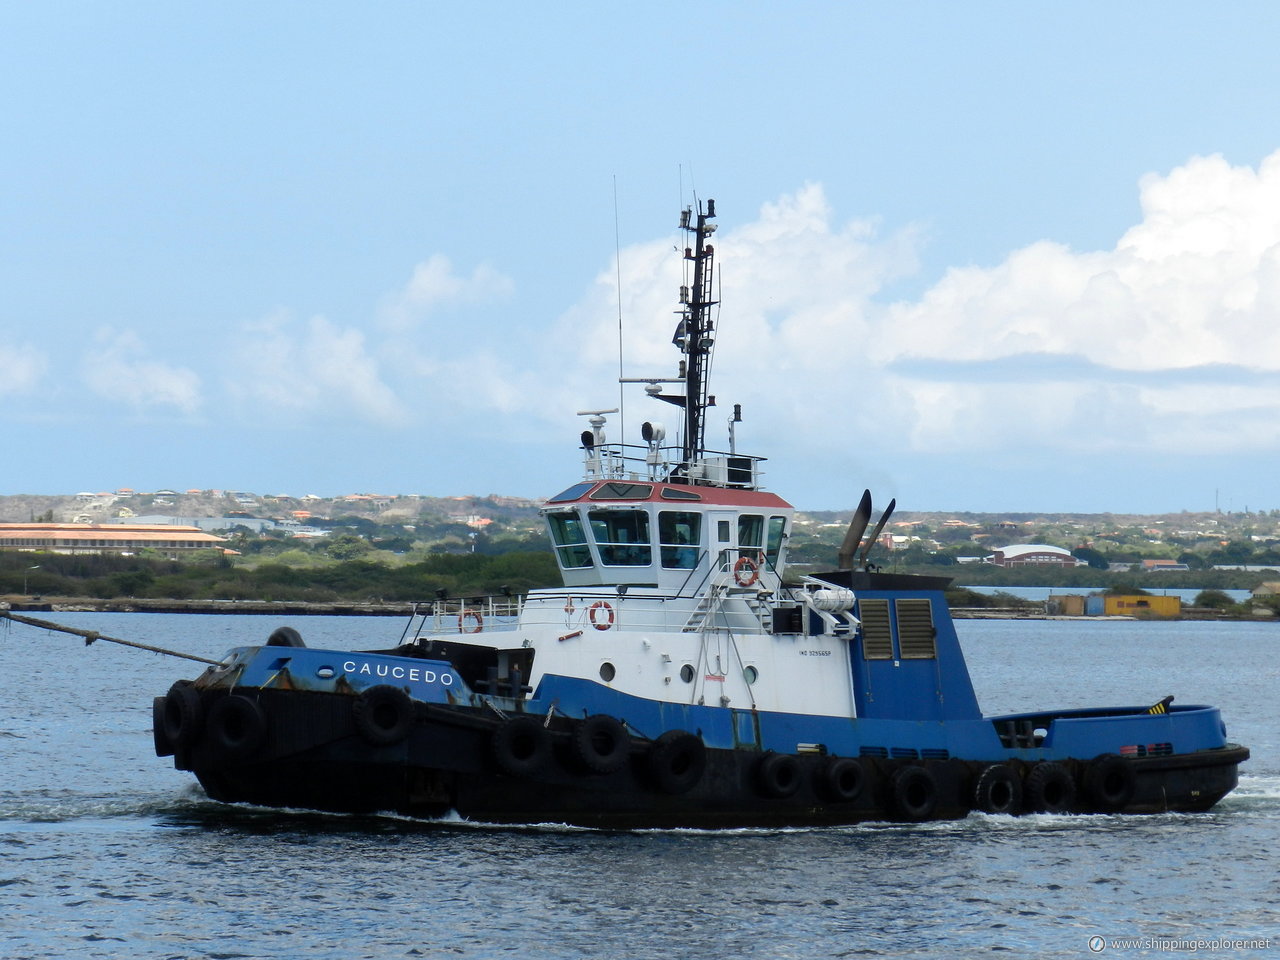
<point>106,851</point>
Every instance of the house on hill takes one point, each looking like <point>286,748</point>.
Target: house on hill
<point>117,538</point>
<point>1032,554</point>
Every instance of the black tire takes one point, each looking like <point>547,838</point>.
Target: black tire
<point>285,637</point>
<point>913,793</point>
<point>237,728</point>
<point>998,790</point>
<point>1050,788</point>
<point>183,715</point>
<point>677,761</point>
<point>601,743</point>
<point>843,779</point>
<point>1109,782</point>
<point>164,747</point>
<point>383,714</point>
<point>778,775</point>
<point>521,746</point>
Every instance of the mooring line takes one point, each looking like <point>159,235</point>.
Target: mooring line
<point>91,636</point>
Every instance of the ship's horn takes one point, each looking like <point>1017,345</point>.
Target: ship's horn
<point>875,534</point>
<point>857,527</point>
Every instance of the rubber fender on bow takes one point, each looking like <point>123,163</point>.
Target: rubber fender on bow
<point>183,715</point>
<point>843,779</point>
<point>1050,788</point>
<point>521,746</point>
<point>677,761</point>
<point>1109,782</point>
<point>998,790</point>
<point>237,727</point>
<point>383,714</point>
<point>601,743</point>
<point>285,637</point>
<point>164,747</point>
<point>913,792</point>
<point>778,774</point>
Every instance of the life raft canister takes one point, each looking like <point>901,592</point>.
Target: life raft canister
<point>600,614</point>
<point>745,572</point>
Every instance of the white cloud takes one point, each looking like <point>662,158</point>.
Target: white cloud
<point>23,367</point>
<point>434,284</point>
<point>316,367</point>
<point>1195,285</point>
<point>1169,339</point>
<point>118,368</point>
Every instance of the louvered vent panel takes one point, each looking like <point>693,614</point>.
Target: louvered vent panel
<point>877,637</point>
<point>915,630</point>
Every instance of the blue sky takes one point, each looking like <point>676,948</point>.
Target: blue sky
<point>984,256</point>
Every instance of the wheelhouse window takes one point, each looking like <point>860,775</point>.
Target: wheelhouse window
<point>570,538</point>
<point>750,534</point>
<point>773,549</point>
<point>679,535</point>
<point>622,537</point>
<point>617,490</point>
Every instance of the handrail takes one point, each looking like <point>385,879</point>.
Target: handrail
<point>663,464</point>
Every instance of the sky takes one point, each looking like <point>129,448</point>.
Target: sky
<point>998,257</point>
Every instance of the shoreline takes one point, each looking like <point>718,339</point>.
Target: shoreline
<point>378,608</point>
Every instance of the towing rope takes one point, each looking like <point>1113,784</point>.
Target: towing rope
<point>90,636</point>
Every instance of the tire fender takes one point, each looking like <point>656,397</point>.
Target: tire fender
<point>237,727</point>
<point>383,714</point>
<point>601,743</point>
<point>677,761</point>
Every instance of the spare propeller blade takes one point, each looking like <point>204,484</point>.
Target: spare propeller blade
<point>875,534</point>
<point>857,527</point>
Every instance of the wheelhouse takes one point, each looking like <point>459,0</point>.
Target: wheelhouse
<point>667,536</point>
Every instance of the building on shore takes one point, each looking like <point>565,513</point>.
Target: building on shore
<point>1032,554</point>
<point>116,538</point>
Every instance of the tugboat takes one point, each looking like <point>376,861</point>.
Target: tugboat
<point>679,678</point>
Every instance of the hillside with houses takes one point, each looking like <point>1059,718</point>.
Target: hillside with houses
<point>414,523</point>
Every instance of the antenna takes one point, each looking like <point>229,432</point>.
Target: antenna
<point>696,333</point>
<point>617,261</point>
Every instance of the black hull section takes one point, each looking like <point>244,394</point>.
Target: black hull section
<point>385,753</point>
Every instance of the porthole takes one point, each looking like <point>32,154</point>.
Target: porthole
<point>751,674</point>
<point>686,673</point>
<point>607,672</point>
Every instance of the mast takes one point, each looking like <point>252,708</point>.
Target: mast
<point>695,335</point>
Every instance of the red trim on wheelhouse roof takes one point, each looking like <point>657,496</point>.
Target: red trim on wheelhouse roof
<point>706,496</point>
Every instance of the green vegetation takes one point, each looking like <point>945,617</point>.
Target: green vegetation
<point>362,548</point>
<point>215,578</point>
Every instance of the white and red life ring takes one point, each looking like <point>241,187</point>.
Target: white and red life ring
<point>746,572</point>
<point>600,614</point>
<point>470,616</point>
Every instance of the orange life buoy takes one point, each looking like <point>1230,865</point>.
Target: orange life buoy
<point>466,615</point>
<point>596,622</point>
<point>745,572</point>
